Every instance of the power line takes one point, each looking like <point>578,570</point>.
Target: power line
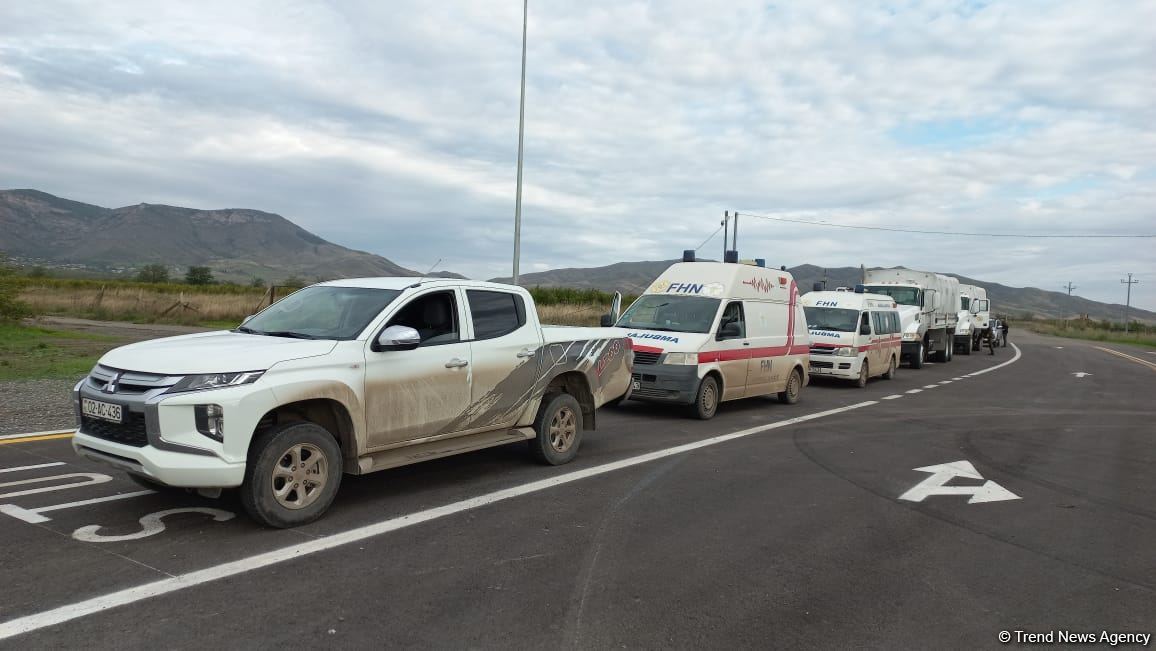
<point>925,232</point>
<point>710,238</point>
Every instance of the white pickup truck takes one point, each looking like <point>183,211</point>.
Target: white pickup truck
<point>349,376</point>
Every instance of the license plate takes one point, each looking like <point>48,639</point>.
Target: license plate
<point>102,410</point>
<point>635,384</point>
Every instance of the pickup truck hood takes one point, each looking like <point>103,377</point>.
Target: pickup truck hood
<point>212,352</point>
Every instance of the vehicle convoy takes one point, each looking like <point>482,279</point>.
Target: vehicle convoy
<point>974,318</point>
<point>928,308</point>
<point>349,376</point>
<point>854,335</point>
<point>707,332</point>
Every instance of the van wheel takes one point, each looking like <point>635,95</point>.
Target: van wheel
<point>864,373</point>
<point>706,402</point>
<point>891,367</point>
<point>790,395</point>
<point>559,428</point>
<point>292,475</point>
<point>918,357</point>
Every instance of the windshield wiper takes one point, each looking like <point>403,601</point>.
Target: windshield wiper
<point>248,331</point>
<point>288,333</point>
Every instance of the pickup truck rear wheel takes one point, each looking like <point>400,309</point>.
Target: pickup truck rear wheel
<point>292,476</point>
<point>559,428</point>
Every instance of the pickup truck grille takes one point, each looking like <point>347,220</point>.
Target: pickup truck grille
<point>646,358</point>
<point>131,432</point>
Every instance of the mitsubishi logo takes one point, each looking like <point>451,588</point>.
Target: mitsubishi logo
<point>112,384</point>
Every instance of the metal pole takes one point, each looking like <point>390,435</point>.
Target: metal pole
<point>1128,302</point>
<point>1067,304</point>
<point>726,222</point>
<point>735,233</point>
<point>521,129</point>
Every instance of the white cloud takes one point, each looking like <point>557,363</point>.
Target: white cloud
<point>391,127</point>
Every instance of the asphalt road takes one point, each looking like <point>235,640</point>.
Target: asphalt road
<point>790,534</point>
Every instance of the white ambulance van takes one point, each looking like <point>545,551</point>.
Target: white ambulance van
<point>854,335</point>
<point>707,332</point>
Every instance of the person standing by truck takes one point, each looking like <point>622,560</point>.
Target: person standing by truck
<point>1004,328</point>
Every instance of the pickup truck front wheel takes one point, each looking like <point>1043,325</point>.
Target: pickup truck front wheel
<point>559,428</point>
<point>292,475</point>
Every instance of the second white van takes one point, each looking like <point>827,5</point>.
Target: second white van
<point>708,332</point>
<point>854,335</point>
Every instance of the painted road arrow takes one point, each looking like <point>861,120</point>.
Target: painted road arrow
<point>1080,374</point>
<point>989,491</point>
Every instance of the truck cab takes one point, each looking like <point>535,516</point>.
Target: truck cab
<point>709,332</point>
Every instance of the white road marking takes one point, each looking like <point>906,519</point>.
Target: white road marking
<point>892,397</point>
<point>1081,374</point>
<point>14,627</point>
<point>39,465</point>
<point>945,472</point>
<point>1013,360</point>
<point>92,477</point>
<point>957,378</point>
<point>945,381</point>
<point>5,437</point>
<point>151,525</point>
<point>33,516</point>
<point>915,391</point>
<point>931,386</point>
<point>1059,347</point>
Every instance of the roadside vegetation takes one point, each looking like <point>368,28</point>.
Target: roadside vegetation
<point>153,298</point>
<point>34,353</point>
<point>1138,334</point>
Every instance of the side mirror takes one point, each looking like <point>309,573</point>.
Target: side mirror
<point>730,330</point>
<point>397,337</point>
<point>607,321</point>
<point>864,329</point>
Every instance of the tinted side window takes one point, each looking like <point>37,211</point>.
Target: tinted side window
<point>495,313</point>
<point>896,325</point>
<point>734,314</point>
<point>434,316</point>
<point>877,323</point>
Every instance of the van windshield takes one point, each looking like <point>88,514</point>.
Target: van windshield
<point>831,318</point>
<point>902,295</point>
<point>671,313</point>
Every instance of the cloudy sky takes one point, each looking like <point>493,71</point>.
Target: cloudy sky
<point>391,126</point>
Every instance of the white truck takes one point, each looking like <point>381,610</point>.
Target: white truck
<point>928,306</point>
<point>347,377</point>
<point>974,318</point>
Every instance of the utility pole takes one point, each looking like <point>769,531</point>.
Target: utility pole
<point>1068,304</point>
<point>726,233</point>
<point>521,130</point>
<point>1128,302</point>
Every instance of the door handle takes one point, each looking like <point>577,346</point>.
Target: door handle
<point>526,352</point>
<point>457,362</point>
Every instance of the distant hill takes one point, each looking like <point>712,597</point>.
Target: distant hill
<point>635,277</point>
<point>238,244</point>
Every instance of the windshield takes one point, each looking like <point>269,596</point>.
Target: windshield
<point>673,313</point>
<point>902,295</point>
<point>831,318</point>
<point>321,312</point>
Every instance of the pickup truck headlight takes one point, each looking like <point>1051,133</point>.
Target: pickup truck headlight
<point>215,381</point>
<point>846,351</point>
<point>681,359</point>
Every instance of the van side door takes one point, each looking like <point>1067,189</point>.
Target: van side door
<point>732,349</point>
<point>506,346</point>
<point>767,333</point>
<point>421,392</point>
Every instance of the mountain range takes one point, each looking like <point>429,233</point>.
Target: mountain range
<point>37,228</point>
<point>635,277</point>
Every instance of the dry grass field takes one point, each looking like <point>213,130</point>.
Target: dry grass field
<point>195,306</point>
